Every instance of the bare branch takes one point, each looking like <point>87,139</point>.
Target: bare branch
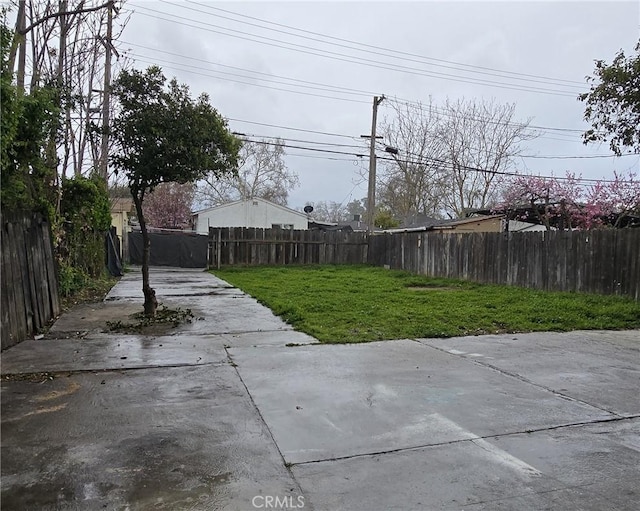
<point>28,29</point>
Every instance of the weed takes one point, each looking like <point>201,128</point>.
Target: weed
<point>78,287</point>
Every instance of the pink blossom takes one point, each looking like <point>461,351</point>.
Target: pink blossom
<point>569,204</point>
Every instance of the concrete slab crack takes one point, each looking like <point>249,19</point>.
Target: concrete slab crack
<point>520,495</point>
<point>473,440</point>
<point>521,378</point>
<point>286,464</point>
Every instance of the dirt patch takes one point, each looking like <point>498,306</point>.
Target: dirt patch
<point>122,316</point>
<point>164,319</point>
<point>433,288</point>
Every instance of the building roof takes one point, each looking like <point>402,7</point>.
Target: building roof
<point>318,225</point>
<point>418,220</point>
<point>242,201</point>
<point>120,204</point>
<point>433,224</point>
<point>469,220</point>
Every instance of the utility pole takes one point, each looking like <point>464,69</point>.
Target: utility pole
<point>106,96</point>
<point>371,193</point>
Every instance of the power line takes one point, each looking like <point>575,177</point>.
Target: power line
<point>315,149</point>
<point>562,132</point>
<point>445,164</point>
<point>550,157</point>
<point>252,135</point>
<point>542,157</point>
<point>172,65</point>
<point>417,105</point>
<point>347,58</point>
<point>293,129</point>
<point>405,101</point>
<point>142,57</point>
<point>298,155</point>
<point>450,166</point>
<point>409,153</point>
<point>270,77</point>
<point>324,96</point>
<point>428,60</point>
<point>337,89</point>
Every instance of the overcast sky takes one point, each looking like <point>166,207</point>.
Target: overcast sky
<point>317,65</point>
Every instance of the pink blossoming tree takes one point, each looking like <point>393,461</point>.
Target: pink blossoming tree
<point>169,205</point>
<point>565,203</point>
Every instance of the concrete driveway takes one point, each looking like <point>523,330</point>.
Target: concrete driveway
<point>236,411</point>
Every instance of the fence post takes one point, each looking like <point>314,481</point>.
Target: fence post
<point>219,249</point>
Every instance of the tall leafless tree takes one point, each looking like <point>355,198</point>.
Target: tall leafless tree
<point>412,175</point>
<point>66,45</point>
<point>482,140</point>
<point>449,159</point>
<point>262,173</point>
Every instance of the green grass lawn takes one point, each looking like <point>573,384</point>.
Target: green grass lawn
<point>364,303</point>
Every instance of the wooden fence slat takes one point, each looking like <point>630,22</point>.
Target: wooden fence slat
<point>52,273</point>
<point>17,254</point>
<point>33,314</point>
<point>283,246</point>
<point>29,281</point>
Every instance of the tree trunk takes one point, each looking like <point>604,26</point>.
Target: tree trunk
<point>22,49</point>
<point>17,38</point>
<point>150,301</point>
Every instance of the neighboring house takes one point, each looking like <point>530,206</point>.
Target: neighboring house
<point>256,212</point>
<point>475,223</point>
<point>518,226</point>
<point>472,224</point>
<point>319,225</point>
<point>418,220</point>
<point>355,225</point>
<point>121,210</point>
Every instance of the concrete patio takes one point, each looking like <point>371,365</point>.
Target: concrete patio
<point>237,411</point>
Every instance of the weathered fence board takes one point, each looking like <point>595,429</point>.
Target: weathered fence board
<point>599,261</point>
<point>240,246</point>
<point>29,282</point>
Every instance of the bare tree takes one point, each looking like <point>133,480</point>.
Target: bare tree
<point>329,211</point>
<point>262,173</point>
<point>446,161</point>
<point>67,44</point>
<point>412,174</point>
<point>481,140</point>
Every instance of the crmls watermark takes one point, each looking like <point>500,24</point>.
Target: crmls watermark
<point>271,502</point>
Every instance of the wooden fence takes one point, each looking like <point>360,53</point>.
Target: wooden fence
<point>29,284</point>
<point>599,261</point>
<point>240,246</point>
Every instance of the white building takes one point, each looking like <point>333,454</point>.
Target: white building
<point>249,213</point>
<point>518,226</point>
